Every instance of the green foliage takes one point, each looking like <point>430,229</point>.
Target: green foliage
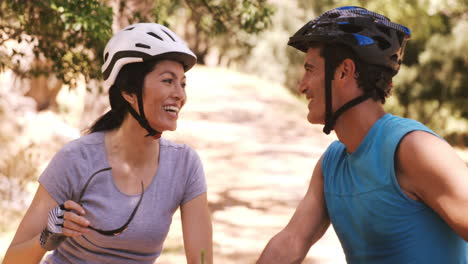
<point>68,34</point>
<point>252,34</point>
<point>431,85</point>
<point>443,66</point>
<point>71,35</point>
<point>435,90</point>
<point>222,17</point>
<point>202,253</point>
<point>271,58</point>
<point>223,25</point>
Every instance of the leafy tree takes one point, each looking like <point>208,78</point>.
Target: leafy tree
<point>432,84</point>
<point>271,58</point>
<point>223,25</point>
<point>68,34</point>
<point>435,90</point>
<point>67,37</point>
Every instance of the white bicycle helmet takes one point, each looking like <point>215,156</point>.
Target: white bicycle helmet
<point>142,42</point>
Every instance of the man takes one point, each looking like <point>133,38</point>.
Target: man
<point>394,191</point>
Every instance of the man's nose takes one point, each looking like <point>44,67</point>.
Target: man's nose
<point>301,87</point>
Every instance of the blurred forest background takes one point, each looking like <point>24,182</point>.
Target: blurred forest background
<point>51,53</point>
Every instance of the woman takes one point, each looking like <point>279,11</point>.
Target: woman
<point>109,196</point>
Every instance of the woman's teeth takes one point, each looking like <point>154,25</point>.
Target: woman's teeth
<point>171,108</point>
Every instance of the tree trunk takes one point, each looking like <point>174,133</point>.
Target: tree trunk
<point>124,10</point>
<point>44,89</point>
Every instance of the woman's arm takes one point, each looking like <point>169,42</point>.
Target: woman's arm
<point>197,230</point>
<point>25,246</point>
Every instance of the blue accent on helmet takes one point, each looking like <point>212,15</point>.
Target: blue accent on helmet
<point>363,40</point>
<point>407,30</point>
<point>343,23</point>
<point>348,8</point>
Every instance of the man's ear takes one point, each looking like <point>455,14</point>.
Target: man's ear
<point>130,98</point>
<point>347,69</point>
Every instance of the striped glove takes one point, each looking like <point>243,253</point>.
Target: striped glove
<point>52,235</point>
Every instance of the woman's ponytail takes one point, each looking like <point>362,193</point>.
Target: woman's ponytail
<point>129,80</point>
<point>114,117</point>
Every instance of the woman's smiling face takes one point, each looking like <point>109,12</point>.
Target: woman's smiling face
<point>164,95</point>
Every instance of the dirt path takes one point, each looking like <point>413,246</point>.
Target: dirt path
<point>258,152</point>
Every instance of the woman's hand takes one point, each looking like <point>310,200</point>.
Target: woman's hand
<point>74,223</point>
<point>31,240</point>
<point>64,220</point>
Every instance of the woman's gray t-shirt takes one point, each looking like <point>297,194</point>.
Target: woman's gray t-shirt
<point>179,179</point>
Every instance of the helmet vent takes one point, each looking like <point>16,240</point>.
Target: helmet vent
<point>385,30</point>
<point>154,35</point>
<point>106,56</point>
<point>350,28</point>
<point>128,29</point>
<point>139,45</point>
<point>168,35</point>
<point>383,43</point>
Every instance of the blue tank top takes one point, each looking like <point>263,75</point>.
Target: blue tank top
<point>373,219</point>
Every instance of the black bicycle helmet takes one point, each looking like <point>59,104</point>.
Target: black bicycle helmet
<point>373,37</point>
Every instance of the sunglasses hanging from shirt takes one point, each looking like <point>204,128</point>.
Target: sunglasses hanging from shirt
<point>117,231</point>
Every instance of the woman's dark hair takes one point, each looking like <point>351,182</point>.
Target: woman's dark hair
<point>130,80</point>
<point>373,79</point>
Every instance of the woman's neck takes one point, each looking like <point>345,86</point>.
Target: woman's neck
<point>128,144</point>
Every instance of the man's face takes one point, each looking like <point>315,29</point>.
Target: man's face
<point>312,85</point>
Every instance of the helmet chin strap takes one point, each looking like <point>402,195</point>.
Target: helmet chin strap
<point>329,120</point>
<point>330,117</point>
<point>142,119</point>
